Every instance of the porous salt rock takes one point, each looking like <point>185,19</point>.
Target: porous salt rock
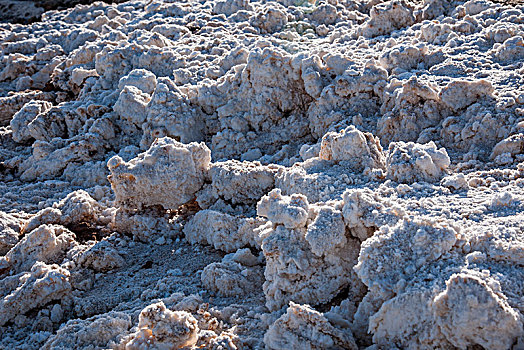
<point>132,105</point>
<point>324,14</point>
<point>294,273</point>
<point>310,151</point>
<point>513,145</point>
<point>58,121</point>
<point>241,182</point>
<point>22,118</point>
<point>455,182</point>
<point>229,278</point>
<point>403,248</point>
<point>291,211</point>
<point>222,231</point>
<point>360,150</point>
<point>411,108</point>
<point>161,328</point>
<point>10,228</point>
<point>145,225</point>
<point>168,174</point>
<point>101,257</point>
<point>460,94</point>
<point>244,257</point>
<point>388,16</point>
<point>417,329</point>
<point>472,311</point>
<point>512,49</point>
<point>364,212</point>
<point>44,283</point>
<point>50,159</point>
<point>271,84</point>
<point>78,207</point>
<point>302,327</point>
<point>48,243</point>
<point>142,79</point>
<point>411,162</point>
<point>257,81</point>
<point>269,19</point>
<point>171,114</point>
<point>326,232</point>
<point>354,93</point>
<point>501,200</point>
<point>100,330</point>
<point>229,7</point>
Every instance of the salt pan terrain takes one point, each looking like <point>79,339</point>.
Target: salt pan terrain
<point>236,174</point>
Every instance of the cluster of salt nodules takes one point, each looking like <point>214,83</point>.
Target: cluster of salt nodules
<point>246,174</point>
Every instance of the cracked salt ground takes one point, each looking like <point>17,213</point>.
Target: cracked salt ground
<point>339,174</point>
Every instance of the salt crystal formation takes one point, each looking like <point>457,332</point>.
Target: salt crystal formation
<point>247,174</point>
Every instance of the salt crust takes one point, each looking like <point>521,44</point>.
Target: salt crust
<point>359,163</point>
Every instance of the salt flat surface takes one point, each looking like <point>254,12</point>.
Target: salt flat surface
<point>288,174</point>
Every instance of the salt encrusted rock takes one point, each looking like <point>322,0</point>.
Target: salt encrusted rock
<point>472,311</point>
<point>356,93</point>
<point>232,6</point>
<point>257,81</point>
<point>22,118</point>
<point>13,103</point>
<point>271,84</point>
<point>60,121</point>
<point>449,306</point>
<point>170,113</point>
<point>501,200</point>
<point>512,49</point>
<point>393,254</point>
<point>294,273</point>
<point>142,79</point>
<point>364,212</point>
<point>161,328</point>
<point>411,162</point>
<point>360,150</point>
<point>455,182</point>
<point>9,231</point>
<point>369,305</point>
<point>48,243</point>
<point>310,151</point>
<point>50,159</point>
<point>411,108</point>
<point>417,329</point>
<point>101,257</point>
<point>145,225</point>
<point>406,57</point>
<point>512,145</point>
<point>229,278</point>
<point>222,231</point>
<point>460,94</point>
<point>327,232</point>
<point>132,105</point>
<point>76,208</point>
<point>241,182</point>
<point>387,17</point>
<point>100,331</point>
<point>168,174</point>
<point>302,327</point>
<point>290,211</point>
<point>320,180</point>
<point>270,19</point>
<point>44,283</point>
<point>325,14</point>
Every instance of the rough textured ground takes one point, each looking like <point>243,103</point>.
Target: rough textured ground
<point>239,174</point>
<point>28,11</point>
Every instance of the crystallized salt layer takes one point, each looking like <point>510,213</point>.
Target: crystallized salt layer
<point>253,174</point>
